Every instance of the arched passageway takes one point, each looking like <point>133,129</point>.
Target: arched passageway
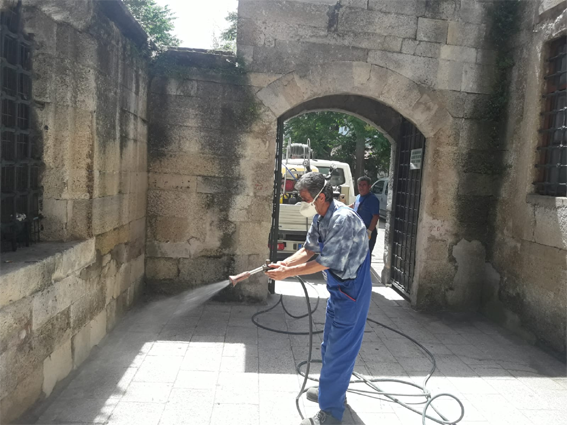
<point>408,147</point>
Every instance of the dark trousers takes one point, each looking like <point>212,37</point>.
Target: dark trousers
<point>372,240</point>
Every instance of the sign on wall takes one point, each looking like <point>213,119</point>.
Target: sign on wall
<point>415,159</point>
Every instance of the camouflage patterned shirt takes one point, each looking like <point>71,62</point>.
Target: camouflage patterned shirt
<point>345,240</point>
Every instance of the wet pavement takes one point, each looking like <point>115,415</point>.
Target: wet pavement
<point>168,365</point>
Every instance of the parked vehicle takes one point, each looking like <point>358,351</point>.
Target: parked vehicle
<point>293,227</point>
<point>380,190</point>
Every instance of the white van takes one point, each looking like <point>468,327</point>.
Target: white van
<point>293,227</point>
<point>380,190</point>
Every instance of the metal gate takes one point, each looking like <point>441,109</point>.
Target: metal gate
<point>273,239</point>
<point>407,191</point>
<point>20,155</point>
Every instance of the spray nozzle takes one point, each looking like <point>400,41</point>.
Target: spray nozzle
<point>245,275</point>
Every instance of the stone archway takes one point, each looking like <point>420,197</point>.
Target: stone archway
<point>380,97</point>
<point>420,106</point>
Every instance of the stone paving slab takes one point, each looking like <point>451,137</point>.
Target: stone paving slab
<point>164,365</point>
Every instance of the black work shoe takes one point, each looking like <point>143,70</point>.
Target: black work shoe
<point>321,418</point>
<point>313,395</point>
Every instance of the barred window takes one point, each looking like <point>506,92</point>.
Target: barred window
<point>552,164</point>
<point>19,156</point>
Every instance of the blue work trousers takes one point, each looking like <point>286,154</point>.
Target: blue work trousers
<point>347,309</point>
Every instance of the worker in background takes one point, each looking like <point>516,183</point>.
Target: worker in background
<point>339,236</point>
<point>368,208</point>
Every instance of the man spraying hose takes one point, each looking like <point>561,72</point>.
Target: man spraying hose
<point>339,236</point>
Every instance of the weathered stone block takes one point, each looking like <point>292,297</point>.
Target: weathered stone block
<point>162,268</point>
<point>453,101</point>
<point>293,12</point>
<point>56,367</point>
<point>466,288</point>
<point>409,45</point>
<point>478,185</point>
<point>107,241</point>
<point>173,229</point>
<point>463,34</point>
<point>458,54</point>
<point>170,249</point>
<point>418,69</point>
<point>437,250</point>
<point>213,185</point>
<point>55,299</point>
<point>98,328</point>
<point>249,208</point>
<point>203,270</point>
<point>15,323</point>
<point>421,48</point>
<point>449,75</point>
<point>85,308</point>
<point>81,343</point>
<point>74,259</point>
<point>474,12</point>
<point>486,57</point>
<point>477,78</point>
<point>551,227</point>
<point>392,44</point>
<point>195,164</point>
<point>56,214</point>
<point>283,57</point>
<point>400,7</point>
<point>52,334</point>
<point>80,219</point>
<point>22,397</point>
<point>434,30</point>
<point>109,213</point>
<point>137,270</point>
<point>401,91</point>
<point>250,33</point>
<point>170,203</point>
<point>252,237</point>
<point>172,182</point>
<point>402,26</point>
<point>546,5</point>
<point>440,9</point>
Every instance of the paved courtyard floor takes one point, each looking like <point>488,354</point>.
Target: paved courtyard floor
<point>166,365</point>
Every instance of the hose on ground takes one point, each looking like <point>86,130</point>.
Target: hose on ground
<point>376,391</point>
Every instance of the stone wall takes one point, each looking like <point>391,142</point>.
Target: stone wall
<point>60,298</point>
<point>528,285</point>
<point>211,159</point>
<point>428,60</point>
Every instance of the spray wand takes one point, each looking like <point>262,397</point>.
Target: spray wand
<point>245,275</point>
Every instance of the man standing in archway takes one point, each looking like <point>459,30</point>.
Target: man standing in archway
<point>368,208</point>
<point>339,236</point>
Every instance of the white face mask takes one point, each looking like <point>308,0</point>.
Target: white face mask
<point>308,209</point>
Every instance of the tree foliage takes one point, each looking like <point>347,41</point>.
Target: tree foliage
<point>228,36</point>
<point>156,20</point>
<point>334,136</point>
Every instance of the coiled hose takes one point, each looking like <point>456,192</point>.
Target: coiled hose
<point>423,391</point>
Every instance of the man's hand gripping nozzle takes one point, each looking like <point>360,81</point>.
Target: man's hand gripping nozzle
<point>245,275</point>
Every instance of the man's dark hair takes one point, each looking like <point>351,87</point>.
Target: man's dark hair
<point>313,182</point>
<point>364,179</point>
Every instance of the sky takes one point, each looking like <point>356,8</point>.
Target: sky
<point>198,20</point>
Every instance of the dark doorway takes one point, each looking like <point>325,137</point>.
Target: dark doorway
<point>405,173</point>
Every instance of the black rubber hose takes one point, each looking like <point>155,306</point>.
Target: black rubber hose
<point>424,392</point>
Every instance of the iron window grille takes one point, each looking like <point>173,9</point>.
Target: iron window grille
<point>552,151</point>
<point>20,160</point>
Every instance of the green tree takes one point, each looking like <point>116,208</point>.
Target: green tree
<point>156,20</point>
<point>227,40</point>
<point>344,138</point>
